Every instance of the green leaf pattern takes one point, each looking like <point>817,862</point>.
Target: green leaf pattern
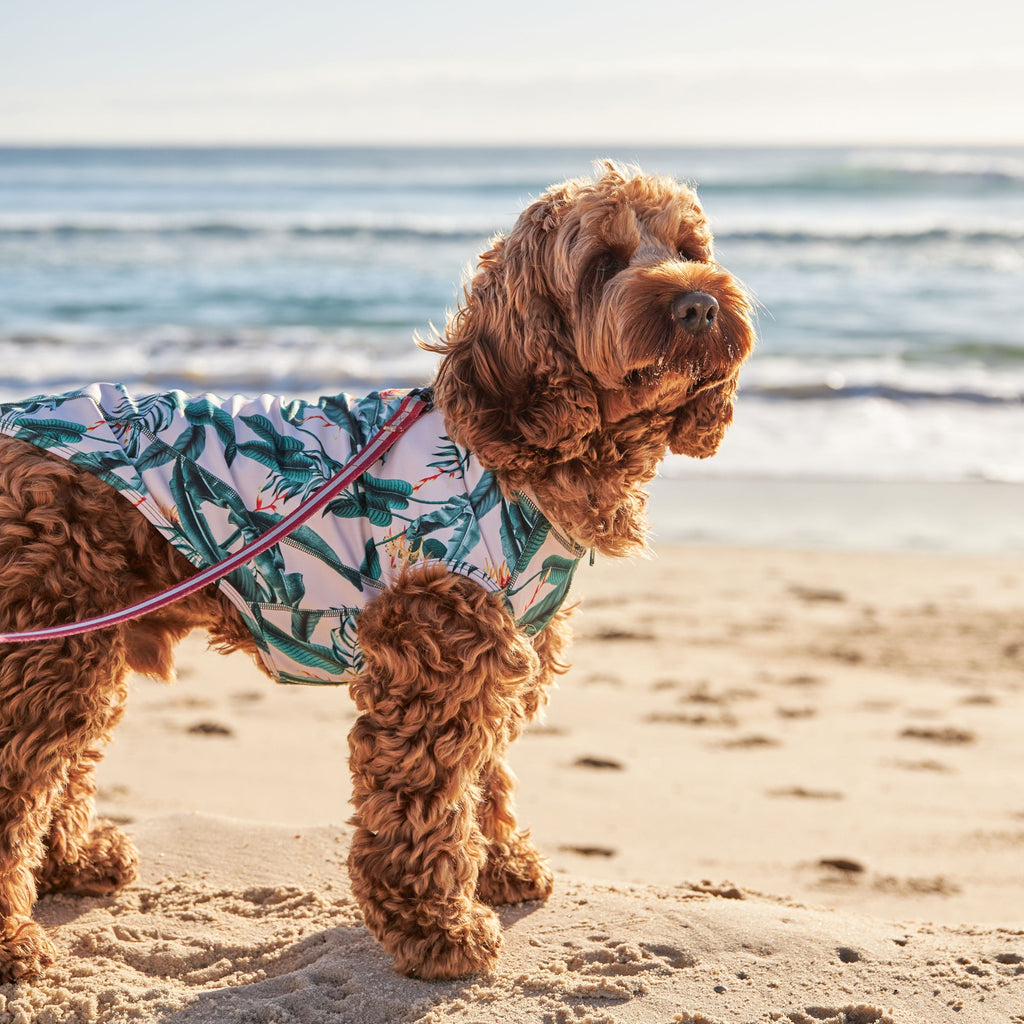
<point>213,474</point>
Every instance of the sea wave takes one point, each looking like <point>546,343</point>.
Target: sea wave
<point>853,172</point>
<point>894,379</point>
<point>891,393</point>
<point>1011,233</point>
<point>42,228</point>
<point>866,437</point>
<point>27,227</point>
<point>128,229</point>
<point>985,166</point>
<point>300,360</point>
<point>307,355</point>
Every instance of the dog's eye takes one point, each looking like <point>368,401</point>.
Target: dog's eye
<point>692,252</point>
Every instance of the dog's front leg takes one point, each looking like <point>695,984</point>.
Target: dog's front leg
<point>515,870</point>
<point>444,674</point>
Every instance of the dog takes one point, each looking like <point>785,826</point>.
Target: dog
<point>595,337</point>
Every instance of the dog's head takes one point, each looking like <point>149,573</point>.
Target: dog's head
<point>599,333</point>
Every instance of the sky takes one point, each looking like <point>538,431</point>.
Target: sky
<point>531,71</point>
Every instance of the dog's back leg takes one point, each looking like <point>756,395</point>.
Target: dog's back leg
<point>62,557</point>
<point>83,856</point>
<point>55,705</point>
<point>442,689</point>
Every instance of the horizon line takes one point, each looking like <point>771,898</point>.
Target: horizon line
<point>936,143</point>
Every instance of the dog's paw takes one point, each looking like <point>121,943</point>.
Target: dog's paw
<point>468,944</point>
<point>514,873</point>
<point>106,862</point>
<point>25,951</point>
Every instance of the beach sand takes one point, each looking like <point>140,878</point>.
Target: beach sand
<point>777,785</point>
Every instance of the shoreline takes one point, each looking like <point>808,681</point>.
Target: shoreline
<point>931,517</point>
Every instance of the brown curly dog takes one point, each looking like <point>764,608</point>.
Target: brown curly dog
<point>599,334</point>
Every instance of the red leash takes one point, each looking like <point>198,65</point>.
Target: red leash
<point>414,405</point>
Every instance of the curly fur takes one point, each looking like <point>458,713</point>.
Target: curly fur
<point>566,371</point>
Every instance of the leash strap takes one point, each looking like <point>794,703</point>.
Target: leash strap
<point>414,405</point>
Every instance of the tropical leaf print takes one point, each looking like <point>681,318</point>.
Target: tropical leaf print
<point>189,489</point>
<point>458,518</point>
<point>486,495</point>
<point>285,456</point>
<point>304,679</point>
<point>307,421</point>
<point>220,494</point>
<point>251,522</point>
<point>204,412</point>
<point>191,442</point>
<point>270,564</point>
<point>104,464</point>
<point>290,589</point>
<point>360,419</point>
<point>295,412</point>
<point>154,412</point>
<point>336,409</point>
<point>371,562</point>
<point>31,406</point>
<point>519,537</point>
<point>369,412</point>
<point>314,656</point>
<point>372,498</point>
<point>434,550</point>
<point>312,543</point>
<point>50,433</point>
<point>155,455</point>
<point>450,458</point>
<point>304,622</point>
<point>345,642</point>
<point>244,583</point>
<point>248,618</point>
<point>557,573</point>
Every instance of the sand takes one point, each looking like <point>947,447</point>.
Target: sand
<point>777,785</point>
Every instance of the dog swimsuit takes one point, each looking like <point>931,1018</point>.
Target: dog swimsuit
<point>213,474</point>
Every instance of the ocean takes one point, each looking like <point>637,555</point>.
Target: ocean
<point>889,283</point>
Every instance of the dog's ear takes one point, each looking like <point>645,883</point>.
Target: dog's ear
<point>510,385</point>
<point>699,425</point>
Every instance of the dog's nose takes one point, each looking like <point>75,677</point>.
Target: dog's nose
<point>695,311</point>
